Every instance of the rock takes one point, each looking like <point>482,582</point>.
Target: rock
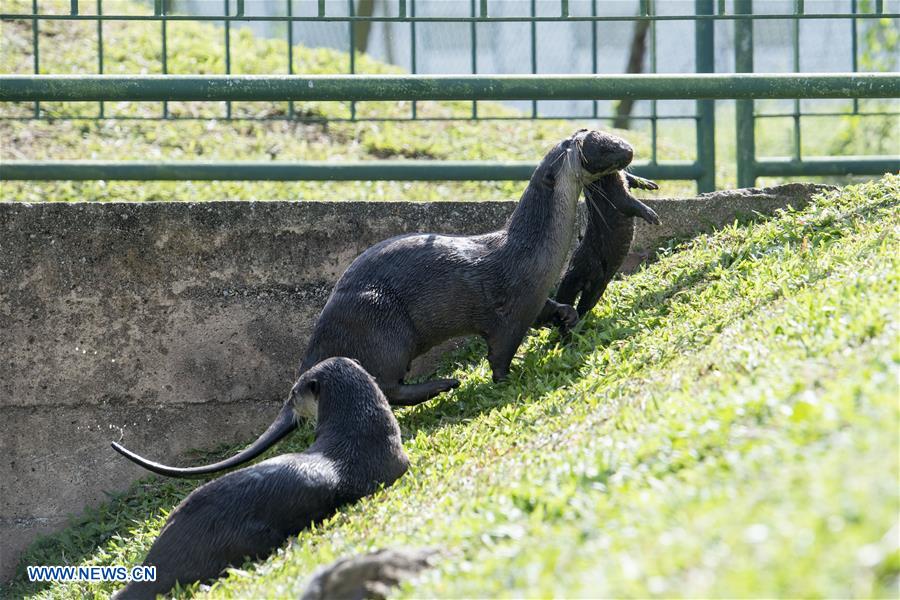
<point>368,576</point>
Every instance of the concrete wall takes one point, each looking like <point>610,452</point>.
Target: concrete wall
<point>183,324</point>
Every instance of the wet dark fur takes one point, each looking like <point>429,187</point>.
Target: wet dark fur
<point>409,293</point>
<point>412,292</point>
<point>607,239</point>
<point>250,512</point>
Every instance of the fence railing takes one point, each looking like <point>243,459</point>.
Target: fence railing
<point>704,88</point>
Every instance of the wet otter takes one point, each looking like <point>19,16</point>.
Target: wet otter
<point>607,238</point>
<point>251,511</point>
<point>409,293</point>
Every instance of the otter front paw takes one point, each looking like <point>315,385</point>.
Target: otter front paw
<point>565,317</point>
<point>640,183</point>
<point>649,215</point>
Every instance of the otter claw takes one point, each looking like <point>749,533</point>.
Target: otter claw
<point>566,318</point>
<point>649,215</point>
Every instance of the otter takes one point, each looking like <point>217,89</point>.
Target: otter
<point>610,229</point>
<point>252,511</point>
<point>409,293</point>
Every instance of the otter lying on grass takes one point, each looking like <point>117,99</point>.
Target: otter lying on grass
<point>252,511</point>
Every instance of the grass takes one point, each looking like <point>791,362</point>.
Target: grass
<point>135,47</point>
<point>723,424</point>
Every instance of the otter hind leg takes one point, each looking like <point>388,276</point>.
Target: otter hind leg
<point>403,394</point>
<point>591,295</point>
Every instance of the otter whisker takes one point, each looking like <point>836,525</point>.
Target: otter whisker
<point>557,159</point>
<point>595,189</point>
<point>599,215</point>
<point>579,145</point>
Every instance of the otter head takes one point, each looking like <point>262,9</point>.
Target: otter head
<point>601,154</point>
<point>336,388</point>
<point>588,154</point>
<point>348,402</point>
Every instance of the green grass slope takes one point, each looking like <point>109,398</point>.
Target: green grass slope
<point>723,424</point>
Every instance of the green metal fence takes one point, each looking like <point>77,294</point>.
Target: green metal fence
<point>704,87</point>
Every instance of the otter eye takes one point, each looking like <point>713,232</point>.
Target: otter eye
<point>313,387</point>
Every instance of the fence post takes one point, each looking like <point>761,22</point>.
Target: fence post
<point>704,53</point>
<point>745,137</point>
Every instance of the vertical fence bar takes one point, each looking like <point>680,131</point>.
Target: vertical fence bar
<point>352,8</point>
<point>704,52</point>
<point>534,109</point>
<point>855,48</point>
<point>594,50</point>
<point>227,53</point>
<point>161,5</point>
<point>745,137</point>
<point>353,54</point>
<point>484,10</point>
<point>36,54</point>
<point>412,47</point>
<point>473,34</point>
<point>564,9</point>
<point>654,132</point>
<point>401,10</point>
<point>796,39</point>
<point>73,7</point>
<point>100,47</point>
<point>290,56</point>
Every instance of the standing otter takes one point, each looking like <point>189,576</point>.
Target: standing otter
<point>607,238</point>
<point>250,512</point>
<point>409,293</point>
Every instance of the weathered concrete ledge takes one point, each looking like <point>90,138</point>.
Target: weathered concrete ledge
<point>174,326</point>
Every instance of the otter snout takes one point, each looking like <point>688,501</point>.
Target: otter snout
<point>618,154</point>
<point>304,401</point>
<point>624,157</point>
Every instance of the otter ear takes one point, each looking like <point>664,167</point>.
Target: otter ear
<point>313,386</point>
